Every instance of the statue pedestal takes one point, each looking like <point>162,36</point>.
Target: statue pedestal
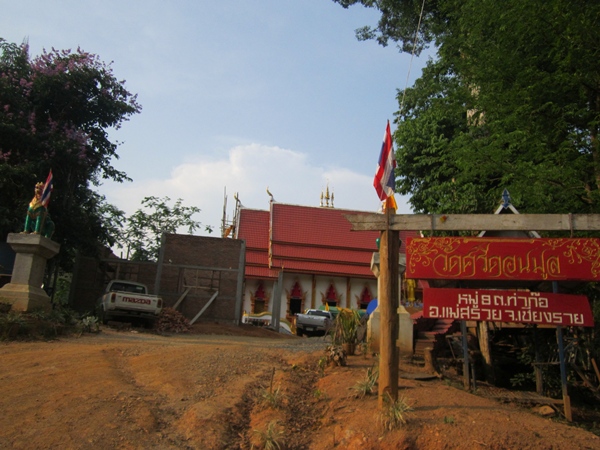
<point>25,291</point>
<point>405,323</point>
<point>405,333</point>
<point>373,334</point>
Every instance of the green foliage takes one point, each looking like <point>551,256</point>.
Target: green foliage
<point>510,102</point>
<point>399,22</point>
<point>319,394</point>
<point>273,398</point>
<point>143,230</point>
<point>38,324</point>
<point>90,324</point>
<point>322,364</point>
<point>366,386</point>
<point>394,413</point>
<point>62,289</point>
<point>55,113</point>
<point>10,324</point>
<point>345,329</point>
<point>270,439</point>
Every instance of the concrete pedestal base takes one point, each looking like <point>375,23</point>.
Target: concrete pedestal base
<point>24,291</point>
<point>373,333</point>
<point>25,298</point>
<point>405,333</point>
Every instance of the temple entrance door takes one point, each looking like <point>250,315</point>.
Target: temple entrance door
<point>259,306</point>
<point>295,306</point>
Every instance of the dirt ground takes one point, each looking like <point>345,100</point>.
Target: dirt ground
<point>225,387</point>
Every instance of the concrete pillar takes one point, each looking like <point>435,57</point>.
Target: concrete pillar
<point>373,327</point>
<point>25,291</point>
<point>405,333</point>
<point>405,326</point>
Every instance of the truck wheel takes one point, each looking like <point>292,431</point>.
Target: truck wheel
<point>299,332</point>
<point>104,317</point>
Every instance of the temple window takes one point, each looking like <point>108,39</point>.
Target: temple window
<point>365,298</point>
<point>295,300</point>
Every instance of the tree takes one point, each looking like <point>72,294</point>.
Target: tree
<point>143,230</point>
<point>534,67</point>
<point>524,78</point>
<point>400,20</point>
<point>433,119</point>
<point>55,113</point>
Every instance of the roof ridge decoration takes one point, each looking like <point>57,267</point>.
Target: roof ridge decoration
<point>326,196</point>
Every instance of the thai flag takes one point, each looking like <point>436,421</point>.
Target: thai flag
<point>385,178</point>
<point>47,190</point>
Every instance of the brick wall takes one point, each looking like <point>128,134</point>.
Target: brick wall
<point>202,264</point>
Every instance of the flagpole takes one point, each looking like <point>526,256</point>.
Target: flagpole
<point>388,309</point>
<point>388,283</point>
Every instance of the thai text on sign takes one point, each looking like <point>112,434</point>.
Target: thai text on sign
<point>503,259</point>
<point>508,306</point>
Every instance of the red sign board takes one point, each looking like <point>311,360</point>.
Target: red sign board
<point>503,259</point>
<point>508,306</point>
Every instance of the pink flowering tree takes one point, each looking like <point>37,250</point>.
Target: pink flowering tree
<point>56,111</point>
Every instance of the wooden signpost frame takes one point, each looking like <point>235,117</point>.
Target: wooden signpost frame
<point>390,224</point>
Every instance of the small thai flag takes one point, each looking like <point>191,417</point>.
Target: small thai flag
<point>385,179</point>
<point>47,190</point>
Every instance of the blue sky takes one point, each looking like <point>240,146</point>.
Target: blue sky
<point>237,96</point>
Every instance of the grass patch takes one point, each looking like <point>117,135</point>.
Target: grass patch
<point>395,413</point>
<point>272,438</point>
<point>366,386</point>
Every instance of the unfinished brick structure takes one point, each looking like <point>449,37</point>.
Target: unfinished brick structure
<point>194,274</point>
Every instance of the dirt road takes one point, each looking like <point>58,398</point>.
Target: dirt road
<point>127,390</point>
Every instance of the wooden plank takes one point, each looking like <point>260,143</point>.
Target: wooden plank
<point>204,309</point>
<point>585,379</point>
<point>476,222</point>
<point>178,302</point>
<point>596,370</point>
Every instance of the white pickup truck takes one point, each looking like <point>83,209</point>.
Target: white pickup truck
<point>314,321</point>
<point>128,299</point>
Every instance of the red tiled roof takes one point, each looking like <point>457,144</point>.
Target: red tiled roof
<point>256,257</point>
<point>290,251</point>
<point>319,240</point>
<point>325,268</point>
<point>306,239</point>
<point>260,272</point>
<point>318,227</point>
<point>253,227</point>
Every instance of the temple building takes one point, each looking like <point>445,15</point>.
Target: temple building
<point>312,253</point>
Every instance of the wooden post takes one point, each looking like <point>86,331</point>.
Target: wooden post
<point>486,352</point>
<point>563,375</point>
<point>389,250</point>
<point>539,378</point>
<point>465,348</point>
<point>563,368</point>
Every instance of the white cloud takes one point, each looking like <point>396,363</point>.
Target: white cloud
<point>249,170</point>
